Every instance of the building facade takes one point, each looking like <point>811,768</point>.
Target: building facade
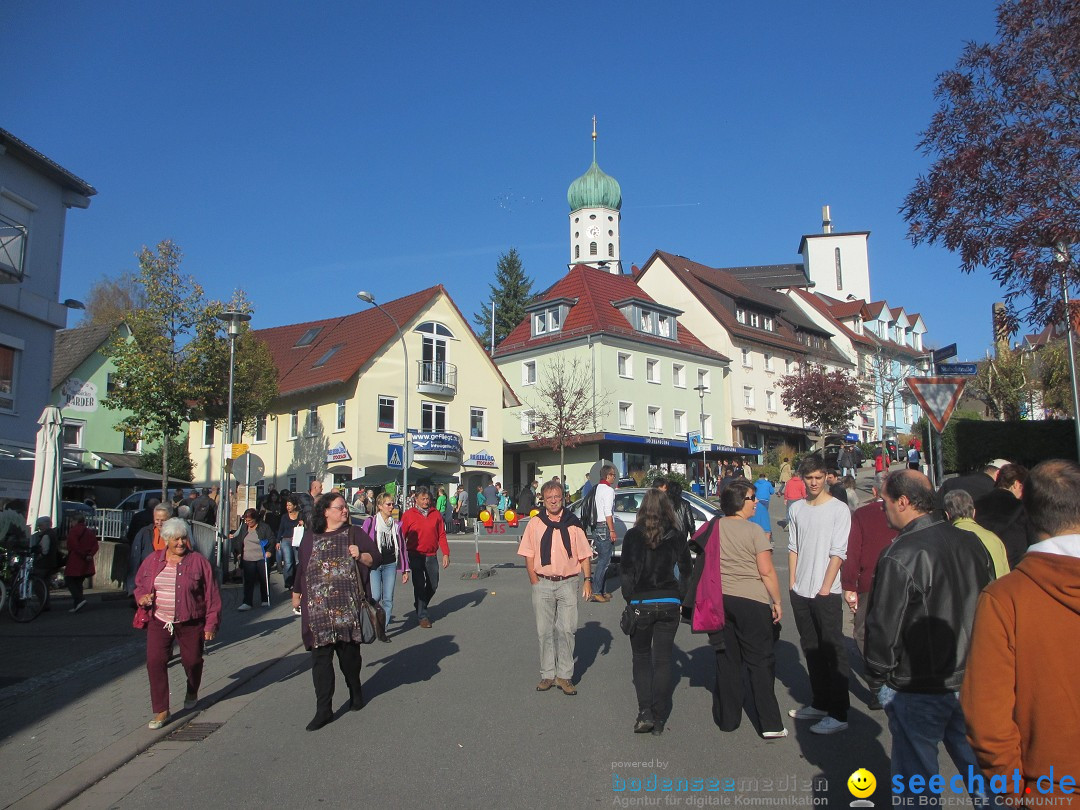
<point>35,194</point>
<point>341,411</point>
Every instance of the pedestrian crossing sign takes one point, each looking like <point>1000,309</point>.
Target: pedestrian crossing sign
<point>394,456</point>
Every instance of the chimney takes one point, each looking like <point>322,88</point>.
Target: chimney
<point>1001,329</point>
<point>826,221</point>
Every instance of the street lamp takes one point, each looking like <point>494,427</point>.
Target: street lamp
<point>701,389</point>
<point>233,319</point>
<point>926,366</point>
<point>369,298</point>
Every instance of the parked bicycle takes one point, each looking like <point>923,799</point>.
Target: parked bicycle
<point>27,593</point>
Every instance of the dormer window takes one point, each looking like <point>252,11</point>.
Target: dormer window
<point>663,325</point>
<point>740,315</point>
<point>768,324</point>
<point>548,320</point>
<point>646,321</point>
<point>755,320</point>
<point>650,318</point>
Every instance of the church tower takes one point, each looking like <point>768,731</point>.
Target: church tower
<point>595,199</point>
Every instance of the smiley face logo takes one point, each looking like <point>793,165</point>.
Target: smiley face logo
<point>861,783</point>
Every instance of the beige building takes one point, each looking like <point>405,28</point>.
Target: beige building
<point>341,410</point>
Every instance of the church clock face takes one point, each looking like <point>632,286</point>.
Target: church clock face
<point>594,232</point>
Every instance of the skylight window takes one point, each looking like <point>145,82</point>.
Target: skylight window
<point>308,337</point>
<point>322,361</point>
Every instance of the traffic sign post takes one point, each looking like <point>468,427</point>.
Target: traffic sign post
<point>938,397</point>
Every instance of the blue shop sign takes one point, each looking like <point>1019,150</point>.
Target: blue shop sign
<point>436,443</point>
<point>680,444</point>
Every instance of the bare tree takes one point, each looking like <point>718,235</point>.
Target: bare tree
<point>884,385</point>
<point>111,300</point>
<point>565,408</point>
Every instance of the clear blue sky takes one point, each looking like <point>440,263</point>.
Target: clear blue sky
<point>304,151</point>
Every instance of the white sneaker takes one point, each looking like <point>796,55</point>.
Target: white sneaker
<point>296,611</point>
<point>266,604</point>
<point>244,607</point>
<point>829,725</point>
<point>774,735</point>
<point>807,713</point>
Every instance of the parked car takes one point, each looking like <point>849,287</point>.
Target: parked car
<point>627,501</point>
<point>136,501</point>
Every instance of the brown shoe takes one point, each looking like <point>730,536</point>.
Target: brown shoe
<point>566,686</point>
<point>545,684</point>
<point>425,623</point>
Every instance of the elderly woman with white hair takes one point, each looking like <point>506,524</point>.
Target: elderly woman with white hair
<point>176,587</point>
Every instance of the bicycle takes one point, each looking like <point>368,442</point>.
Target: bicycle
<point>29,592</point>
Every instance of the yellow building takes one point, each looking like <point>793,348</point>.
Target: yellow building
<point>340,413</point>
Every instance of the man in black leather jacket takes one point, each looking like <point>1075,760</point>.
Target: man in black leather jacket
<point>918,627</point>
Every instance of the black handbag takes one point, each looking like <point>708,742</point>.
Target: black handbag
<point>628,620</point>
<point>372,621</point>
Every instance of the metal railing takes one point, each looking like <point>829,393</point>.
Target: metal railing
<point>437,373</point>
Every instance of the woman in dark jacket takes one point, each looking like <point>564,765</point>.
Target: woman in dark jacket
<point>1002,512</point>
<point>651,550</point>
<point>254,543</point>
<point>331,577</point>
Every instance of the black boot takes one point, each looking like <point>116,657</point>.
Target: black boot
<point>322,676</point>
<point>351,661</point>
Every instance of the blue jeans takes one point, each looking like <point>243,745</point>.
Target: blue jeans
<point>918,722</point>
<point>382,587</point>
<point>288,560</point>
<point>604,547</point>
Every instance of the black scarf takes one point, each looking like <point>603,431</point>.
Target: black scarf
<point>568,519</point>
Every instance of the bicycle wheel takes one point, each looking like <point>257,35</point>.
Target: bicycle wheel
<point>29,607</point>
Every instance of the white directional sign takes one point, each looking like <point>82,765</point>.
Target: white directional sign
<point>937,396</point>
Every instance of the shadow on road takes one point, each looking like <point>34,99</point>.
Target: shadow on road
<point>591,640</point>
<point>407,665</point>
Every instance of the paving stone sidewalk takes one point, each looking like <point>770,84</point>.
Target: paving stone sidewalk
<point>74,695</point>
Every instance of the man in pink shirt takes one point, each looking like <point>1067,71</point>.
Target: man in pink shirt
<point>425,536</point>
<point>556,552</point>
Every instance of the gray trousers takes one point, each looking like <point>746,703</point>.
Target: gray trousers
<point>556,609</point>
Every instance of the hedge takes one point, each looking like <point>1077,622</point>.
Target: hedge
<point>969,444</point>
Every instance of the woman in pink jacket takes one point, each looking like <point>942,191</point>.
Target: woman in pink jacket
<point>178,587</point>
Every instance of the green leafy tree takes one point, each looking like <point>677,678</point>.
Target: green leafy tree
<point>829,400</point>
<point>511,291</point>
<point>161,372</point>
<point>256,377</point>
<point>177,459</point>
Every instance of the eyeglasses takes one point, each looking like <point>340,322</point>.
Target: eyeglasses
<point>342,508</point>
<point>751,497</point>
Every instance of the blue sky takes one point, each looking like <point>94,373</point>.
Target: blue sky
<point>304,151</point>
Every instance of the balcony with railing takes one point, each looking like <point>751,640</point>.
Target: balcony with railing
<point>436,378</point>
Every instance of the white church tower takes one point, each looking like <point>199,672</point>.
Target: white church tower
<point>595,199</point>
<point>837,263</point>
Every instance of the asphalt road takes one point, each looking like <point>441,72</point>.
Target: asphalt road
<point>453,719</point>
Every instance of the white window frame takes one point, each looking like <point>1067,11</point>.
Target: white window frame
<point>747,358</point>
<point>655,419</point>
<point>392,403</point>
<point>528,422</point>
<point>208,427</point>
<point>768,362</point>
<point>80,431</point>
<point>652,370</point>
<point>706,426</point>
<point>770,401</point>
<point>626,409</point>
<point>341,406</point>
<point>748,397</point>
<point>260,428</point>
<point>473,411</point>
<point>294,423</point>
<point>755,320</point>
<point>767,324</point>
<point>625,365</point>
<point>435,408</point>
<point>311,424</point>
<point>528,372</point>
<point>703,379</point>
<point>679,422</point>
<point>740,315</point>
<point>678,375</point>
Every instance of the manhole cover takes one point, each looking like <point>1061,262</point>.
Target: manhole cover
<point>194,732</point>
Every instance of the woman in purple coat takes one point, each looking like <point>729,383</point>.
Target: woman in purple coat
<point>332,575</point>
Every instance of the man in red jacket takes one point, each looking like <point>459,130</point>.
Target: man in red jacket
<point>425,535</point>
<point>869,536</point>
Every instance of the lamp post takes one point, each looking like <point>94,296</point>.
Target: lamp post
<point>369,298</point>
<point>233,319</point>
<point>701,389</point>
<point>926,366</point>
<point>1062,257</point>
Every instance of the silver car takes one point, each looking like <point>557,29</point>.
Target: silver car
<point>628,499</point>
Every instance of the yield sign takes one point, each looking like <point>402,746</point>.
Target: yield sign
<point>938,397</point>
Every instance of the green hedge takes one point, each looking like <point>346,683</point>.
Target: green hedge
<point>969,444</point>
<point>772,471</point>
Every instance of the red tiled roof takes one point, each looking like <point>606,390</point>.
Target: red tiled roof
<point>595,290</point>
<point>712,287</point>
<point>827,311</point>
<point>843,309</point>
<point>359,335</point>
